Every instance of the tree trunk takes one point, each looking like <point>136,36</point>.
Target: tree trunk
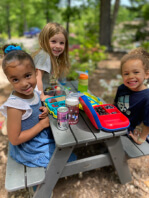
<point>8,21</point>
<point>105,24</point>
<point>47,11</point>
<point>114,15</point>
<point>24,16</point>
<point>68,15</point>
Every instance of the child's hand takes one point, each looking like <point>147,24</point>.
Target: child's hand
<point>44,113</point>
<point>43,97</point>
<point>45,122</point>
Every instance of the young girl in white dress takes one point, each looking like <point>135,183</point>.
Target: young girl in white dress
<point>29,133</point>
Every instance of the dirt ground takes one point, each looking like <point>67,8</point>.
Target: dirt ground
<point>100,183</point>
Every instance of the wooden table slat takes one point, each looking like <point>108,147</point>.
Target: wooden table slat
<point>62,138</point>
<point>82,133</point>
<point>35,175</point>
<point>99,134</point>
<point>68,84</point>
<point>130,148</point>
<point>143,147</point>
<point>15,179</point>
<point>75,84</point>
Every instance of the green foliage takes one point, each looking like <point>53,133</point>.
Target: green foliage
<point>87,26</point>
<point>85,58</point>
<point>71,12</point>
<point>141,35</point>
<point>145,11</point>
<point>129,26</point>
<point>145,45</point>
<point>83,19</point>
<point>2,42</point>
<point>73,41</point>
<point>125,15</point>
<point>23,14</point>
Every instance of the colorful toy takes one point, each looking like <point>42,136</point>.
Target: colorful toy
<point>52,107</point>
<point>106,117</point>
<point>92,99</point>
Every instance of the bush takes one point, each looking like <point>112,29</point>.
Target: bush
<point>145,45</point>
<point>86,57</point>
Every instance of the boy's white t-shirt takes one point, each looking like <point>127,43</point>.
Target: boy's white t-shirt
<point>43,62</point>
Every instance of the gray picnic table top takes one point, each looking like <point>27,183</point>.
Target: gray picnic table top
<point>82,134</point>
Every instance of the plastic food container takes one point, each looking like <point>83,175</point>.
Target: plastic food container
<point>73,105</point>
<point>55,90</point>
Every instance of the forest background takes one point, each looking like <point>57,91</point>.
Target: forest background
<point>94,26</point>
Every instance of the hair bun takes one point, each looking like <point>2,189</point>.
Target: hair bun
<point>11,48</point>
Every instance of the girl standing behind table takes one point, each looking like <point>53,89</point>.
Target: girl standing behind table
<point>132,97</point>
<point>51,59</point>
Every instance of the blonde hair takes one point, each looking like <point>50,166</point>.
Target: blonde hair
<point>60,65</point>
<point>137,54</point>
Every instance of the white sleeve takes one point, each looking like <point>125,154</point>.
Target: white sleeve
<point>17,104</point>
<point>37,90</point>
<point>42,61</point>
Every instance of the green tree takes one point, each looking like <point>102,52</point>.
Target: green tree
<point>70,12</point>
<point>141,8</point>
<point>19,15</point>
<point>86,25</point>
<point>6,22</point>
<point>145,11</point>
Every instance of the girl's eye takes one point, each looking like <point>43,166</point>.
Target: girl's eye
<point>28,75</point>
<point>62,43</point>
<point>53,41</point>
<point>136,72</point>
<point>15,80</point>
<point>125,74</point>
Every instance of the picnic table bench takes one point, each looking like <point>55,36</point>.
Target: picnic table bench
<point>82,134</point>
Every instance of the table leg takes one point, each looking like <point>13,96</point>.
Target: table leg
<point>119,160</point>
<point>53,172</point>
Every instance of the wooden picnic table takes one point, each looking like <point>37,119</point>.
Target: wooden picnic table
<point>79,135</point>
<point>119,148</point>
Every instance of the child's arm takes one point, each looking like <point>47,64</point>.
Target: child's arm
<point>39,81</point>
<point>15,135</point>
<point>40,85</point>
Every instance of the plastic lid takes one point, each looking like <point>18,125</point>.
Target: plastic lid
<point>83,76</point>
<point>72,101</point>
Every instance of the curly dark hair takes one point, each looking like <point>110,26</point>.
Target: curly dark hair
<point>5,46</point>
<point>138,53</point>
<point>19,55</point>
